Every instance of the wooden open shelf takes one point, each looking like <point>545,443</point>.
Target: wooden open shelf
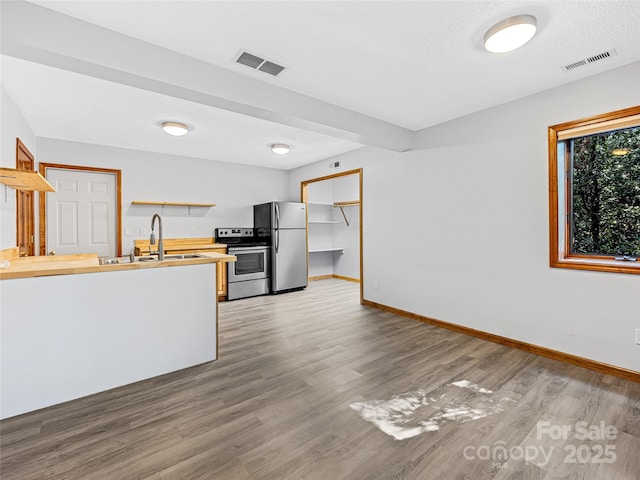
<point>25,180</point>
<point>340,205</point>
<point>349,203</point>
<point>173,204</point>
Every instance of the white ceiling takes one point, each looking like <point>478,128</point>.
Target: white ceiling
<point>408,64</point>
<point>107,113</point>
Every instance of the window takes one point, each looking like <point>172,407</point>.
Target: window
<point>594,193</point>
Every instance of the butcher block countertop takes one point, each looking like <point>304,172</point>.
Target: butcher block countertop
<point>180,245</point>
<point>42,266</point>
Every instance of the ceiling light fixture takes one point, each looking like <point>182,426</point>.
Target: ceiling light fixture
<point>175,129</point>
<point>280,148</point>
<point>510,34</point>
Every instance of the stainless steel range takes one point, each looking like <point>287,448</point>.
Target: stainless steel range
<point>249,275</point>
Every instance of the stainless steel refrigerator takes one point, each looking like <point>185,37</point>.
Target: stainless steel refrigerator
<point>284,226</point>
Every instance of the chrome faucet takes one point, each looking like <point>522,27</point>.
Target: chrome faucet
<point>152,238</point>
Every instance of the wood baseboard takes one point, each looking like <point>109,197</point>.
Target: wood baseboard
<point>348,279</point>
<point>341,277</point>
<point>320,277</point>
<point>509,342</point>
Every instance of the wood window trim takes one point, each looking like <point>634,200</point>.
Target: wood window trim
<point>558,253</point>
<point>43,202</point>
<point>304,198</point>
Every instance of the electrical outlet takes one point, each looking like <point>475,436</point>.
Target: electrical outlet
<point>376,284</point>
<point>144,232</point>
<point>127,231</point>
<point>194,230</point>
<point>638,336</point>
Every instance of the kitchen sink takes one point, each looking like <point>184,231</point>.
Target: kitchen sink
<point>147,258</point>
<point>108,261</point>
<point>116,260</point>
<point>182,256</point>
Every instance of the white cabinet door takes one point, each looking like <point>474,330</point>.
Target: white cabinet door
<point>81,213</point>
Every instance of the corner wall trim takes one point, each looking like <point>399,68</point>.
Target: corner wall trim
<point>517,344</point>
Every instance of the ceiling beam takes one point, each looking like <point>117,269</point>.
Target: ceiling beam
<point>40,35</point>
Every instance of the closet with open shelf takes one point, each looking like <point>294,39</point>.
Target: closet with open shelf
<point>333,227</point>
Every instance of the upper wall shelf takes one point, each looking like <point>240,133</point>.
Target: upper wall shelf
<point>349,203</point>
<point>173,204</point>
<point>340,205</point>
<point>25,180</point>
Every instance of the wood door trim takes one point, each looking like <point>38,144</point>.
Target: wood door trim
<point>43,201</point>
<point>304,198</point>
<point>334,175</point>
<point>22,148</point>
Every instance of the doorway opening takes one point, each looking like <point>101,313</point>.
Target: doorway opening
<point>84,214</point>
<point>334,226</point>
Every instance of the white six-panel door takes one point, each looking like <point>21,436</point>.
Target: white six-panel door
<point>81,213</point>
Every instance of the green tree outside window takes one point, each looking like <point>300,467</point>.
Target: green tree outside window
<point>605,193</point>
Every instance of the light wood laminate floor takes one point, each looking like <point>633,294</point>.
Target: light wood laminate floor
<point>285,400</point>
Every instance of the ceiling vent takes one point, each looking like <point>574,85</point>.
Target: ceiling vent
<point>255,62</point>
<point>588,60</point>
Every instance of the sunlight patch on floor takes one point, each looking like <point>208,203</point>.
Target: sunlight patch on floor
<point>412,413</point>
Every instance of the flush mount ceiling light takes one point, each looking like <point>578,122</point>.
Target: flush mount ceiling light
<point>176,129</point>
<point>280,148</point>
<point>510,34</point>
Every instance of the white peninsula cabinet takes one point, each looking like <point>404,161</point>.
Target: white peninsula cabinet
<point>65,336</point>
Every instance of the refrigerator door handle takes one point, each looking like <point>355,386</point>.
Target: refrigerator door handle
<point>277,240</point>
<point>277,216</point>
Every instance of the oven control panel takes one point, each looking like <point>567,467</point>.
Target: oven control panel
<point>233,232</point>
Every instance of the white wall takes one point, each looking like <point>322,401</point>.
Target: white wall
<point>156,177</point>
<point>12,125</point>
<point>472,202</point>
